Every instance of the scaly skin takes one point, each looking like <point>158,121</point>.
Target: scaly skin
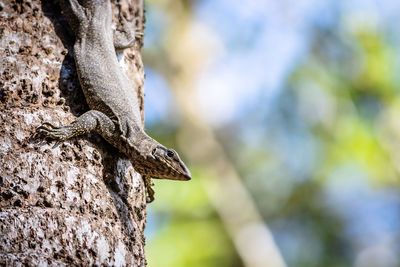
<point>114,113</point>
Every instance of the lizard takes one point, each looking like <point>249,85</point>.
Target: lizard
<point>114,109</point>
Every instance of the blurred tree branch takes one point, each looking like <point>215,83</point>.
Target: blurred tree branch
<point>250,235</point>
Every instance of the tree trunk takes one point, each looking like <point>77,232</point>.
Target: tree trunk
<point>80,203</point>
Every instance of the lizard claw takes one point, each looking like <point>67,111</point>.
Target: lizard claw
<point>52,132</point>
<point>56,144</point>
<point>149,194</point>
<point>149,191</point>
<point>35,139</point>
<point>48,125</point>
<point>38,136</point>
<point>149,199</point>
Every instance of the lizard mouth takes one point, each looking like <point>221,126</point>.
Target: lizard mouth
<point>184,177</point>
<point>178,175</point>
<point>187,175</point>
<point>181,173</point>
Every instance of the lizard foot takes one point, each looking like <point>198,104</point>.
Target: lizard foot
<point>125,36</point>
<point>149,190</point>
<point>49,131</point>
<point>92,120</point>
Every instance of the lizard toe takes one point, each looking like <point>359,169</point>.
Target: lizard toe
<point>47,126</point>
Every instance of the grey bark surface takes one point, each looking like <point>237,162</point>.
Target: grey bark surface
<point>80,203</point>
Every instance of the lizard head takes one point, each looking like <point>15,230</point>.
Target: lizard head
<point>169,165</point>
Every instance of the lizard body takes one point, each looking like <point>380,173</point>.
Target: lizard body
<point>115,111</point>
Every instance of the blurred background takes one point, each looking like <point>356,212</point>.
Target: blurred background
<point>288,114</point>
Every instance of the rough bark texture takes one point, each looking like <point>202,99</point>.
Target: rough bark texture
<point>80,203</point>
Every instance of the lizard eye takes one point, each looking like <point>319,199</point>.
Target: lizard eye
<point>170,153</point>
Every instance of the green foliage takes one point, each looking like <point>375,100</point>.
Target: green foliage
<point>190,243</point>
<point>192,234</point>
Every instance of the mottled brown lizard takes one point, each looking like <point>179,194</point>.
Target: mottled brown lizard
<point>115,112</point>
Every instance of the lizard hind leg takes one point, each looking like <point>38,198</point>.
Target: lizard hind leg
<point>126,37</point>
<point>91,121</point>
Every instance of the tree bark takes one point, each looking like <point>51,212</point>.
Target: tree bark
<point>80,203</point>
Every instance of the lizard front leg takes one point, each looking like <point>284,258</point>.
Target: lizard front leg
<point>91,121</point>
<point>149,189</point>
